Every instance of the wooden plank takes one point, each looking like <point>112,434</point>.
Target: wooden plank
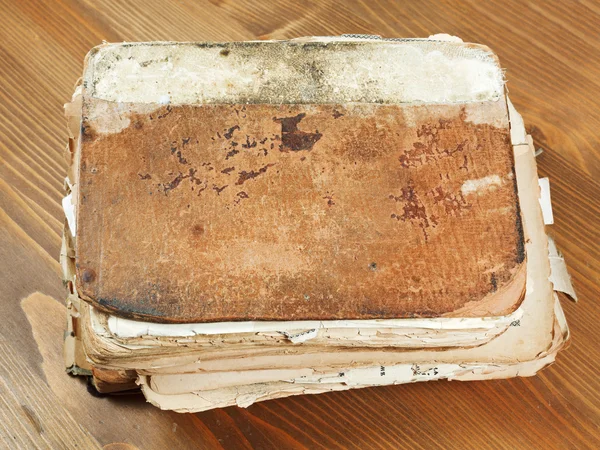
<point>32,416</point>
<point>127,418</point>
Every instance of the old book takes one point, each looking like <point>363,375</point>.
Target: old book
<point>305,180</point>
<point>254,220</point>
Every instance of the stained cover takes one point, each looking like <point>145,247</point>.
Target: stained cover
<point>264,193</point>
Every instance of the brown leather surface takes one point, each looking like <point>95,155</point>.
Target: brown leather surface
<point>268,212</point>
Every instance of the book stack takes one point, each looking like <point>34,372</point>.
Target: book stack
<point>253,220</point>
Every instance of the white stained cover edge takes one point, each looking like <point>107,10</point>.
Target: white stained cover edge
<point>403,71</point>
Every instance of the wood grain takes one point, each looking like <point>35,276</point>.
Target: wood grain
<point>551,51</point>
<point>31,415</point>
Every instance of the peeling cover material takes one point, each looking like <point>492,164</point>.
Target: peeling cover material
<point>368,201</point>
<point>559,275</point>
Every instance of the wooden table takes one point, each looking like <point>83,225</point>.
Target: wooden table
<point>552,55</point>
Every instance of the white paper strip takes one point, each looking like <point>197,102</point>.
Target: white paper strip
<point>545,201</point>
<point>127,328</point>
<point>69,208</point>
<point>518,135</point>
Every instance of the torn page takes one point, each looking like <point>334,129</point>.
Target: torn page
<point>559,275</point>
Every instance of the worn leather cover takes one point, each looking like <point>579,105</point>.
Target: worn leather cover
<point>264,211</point>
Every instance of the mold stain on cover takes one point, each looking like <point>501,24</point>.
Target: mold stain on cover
<point>294,139</point>
<point>431,146</point>
<point>520,257</point>
<point>200,178</point>
<point>166,187</point>
<point>198,230</point>
<point>452,203</point>
<point>413,209</point>
<point>245,176</point>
